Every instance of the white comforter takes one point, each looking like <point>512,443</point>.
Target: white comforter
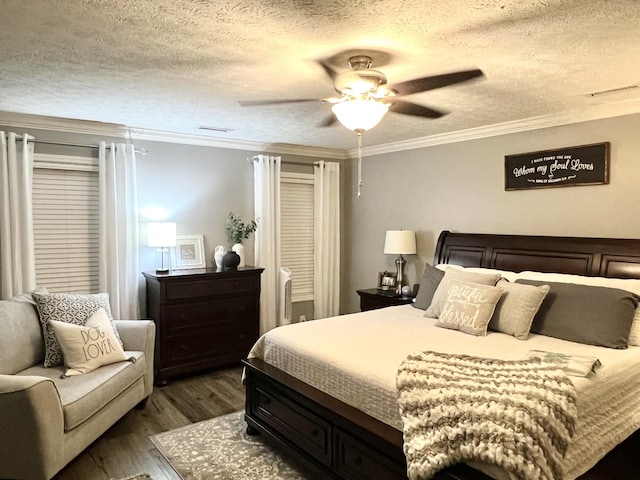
<point>355,358</point>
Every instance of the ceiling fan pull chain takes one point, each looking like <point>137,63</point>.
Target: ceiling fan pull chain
<point>359,132</point>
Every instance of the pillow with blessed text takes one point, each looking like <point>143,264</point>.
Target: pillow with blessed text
<point>468,307</point>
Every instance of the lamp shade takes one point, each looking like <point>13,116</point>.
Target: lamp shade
<point>400,242</point>
<point>161,234</point>
<point>360,114</point>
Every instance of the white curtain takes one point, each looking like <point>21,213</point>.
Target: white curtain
<point>17,258</point>
<point>326,268</point>
<point>266,177</point>
<point>119,264</point>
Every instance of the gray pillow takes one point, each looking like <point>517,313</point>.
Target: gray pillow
<point>585,314</point>
<point>517,308</point>
<point>440,295</point>
<point>428,284</point>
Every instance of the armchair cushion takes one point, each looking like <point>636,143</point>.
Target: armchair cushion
<point>83,395</point>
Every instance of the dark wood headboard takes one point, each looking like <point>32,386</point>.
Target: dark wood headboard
<point>602,257</point>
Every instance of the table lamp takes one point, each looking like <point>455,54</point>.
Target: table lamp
<point>162,235</point>
<point>400,242</point>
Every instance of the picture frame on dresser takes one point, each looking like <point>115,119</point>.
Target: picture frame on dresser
<point>188,252</point>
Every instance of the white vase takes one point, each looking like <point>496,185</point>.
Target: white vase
<point>218,254</point>
<point>239,249</point>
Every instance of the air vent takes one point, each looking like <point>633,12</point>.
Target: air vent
<point>611,91</point>
<point>215,129</point>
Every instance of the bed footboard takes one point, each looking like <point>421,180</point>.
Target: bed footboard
<point>331,438</point>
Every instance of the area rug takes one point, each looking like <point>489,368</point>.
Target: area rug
<point>220,449</point>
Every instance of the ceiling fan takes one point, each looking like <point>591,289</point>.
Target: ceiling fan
<point>365,96</point>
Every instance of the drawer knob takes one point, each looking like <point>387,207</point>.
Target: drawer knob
<point>315,432</point>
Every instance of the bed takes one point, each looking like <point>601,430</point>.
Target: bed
<point>349,428</point>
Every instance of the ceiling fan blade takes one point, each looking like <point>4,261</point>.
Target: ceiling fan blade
<point>253,103</point>
<point>329,121</point>
<point>329,71</point>
<point>432,82</point>
<point>407,108</point>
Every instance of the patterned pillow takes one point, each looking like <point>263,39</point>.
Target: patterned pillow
<point>75,309</point>
<point>468,307</point>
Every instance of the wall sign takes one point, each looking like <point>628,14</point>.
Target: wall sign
<point>583,165</point>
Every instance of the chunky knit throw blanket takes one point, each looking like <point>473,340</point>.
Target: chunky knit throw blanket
<point>519,415</point>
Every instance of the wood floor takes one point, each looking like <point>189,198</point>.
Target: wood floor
<point>125,449</point>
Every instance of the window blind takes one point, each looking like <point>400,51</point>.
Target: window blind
<point>66,223</point>
<point>296,225</point>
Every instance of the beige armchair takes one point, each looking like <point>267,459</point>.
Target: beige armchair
<point>45,420</point>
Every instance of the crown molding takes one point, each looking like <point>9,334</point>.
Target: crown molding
<point>597,112</point>
<point>258,147</point>
<point>66,125</point>
<point>85,127</point>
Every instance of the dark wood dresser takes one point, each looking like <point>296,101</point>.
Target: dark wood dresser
<point>204,318</point>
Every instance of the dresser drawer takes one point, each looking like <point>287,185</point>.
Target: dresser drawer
<point>355,460</point>
<point>226,338</point>
<point>195,314</point>
<point>190,289</point>
<point>236,285</point>
<point>302,427</point>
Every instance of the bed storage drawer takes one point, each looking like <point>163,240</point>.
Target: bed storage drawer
<point>355,460</point>
<point>301,427</point>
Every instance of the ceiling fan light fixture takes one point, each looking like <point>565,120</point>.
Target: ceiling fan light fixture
<point>360,114</point>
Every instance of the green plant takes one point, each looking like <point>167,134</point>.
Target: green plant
<point>238,230</point>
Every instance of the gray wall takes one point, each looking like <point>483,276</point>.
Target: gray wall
<point>460,187</point>
<point>457,187</point>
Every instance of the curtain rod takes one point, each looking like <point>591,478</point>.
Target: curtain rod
<point>141,151</point>
<point>285,162</point>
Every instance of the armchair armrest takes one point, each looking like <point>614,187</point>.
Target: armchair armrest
<point>32,426</point>
<point>139,335</point>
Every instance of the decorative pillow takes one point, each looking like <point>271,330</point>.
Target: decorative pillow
<point>88,347</point>
<point>440,294</point>
<point>431,278</point>
<point>517,308</point>
<point>75,309</point>
<point>468,307</point>
<point>508,274</point>
<point>630,284</point>
<point>585,314</point>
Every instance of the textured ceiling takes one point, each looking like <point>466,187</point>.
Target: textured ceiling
<point>176,65</point>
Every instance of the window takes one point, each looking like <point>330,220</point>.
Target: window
<point>296,223</point>
<point>66,223</point>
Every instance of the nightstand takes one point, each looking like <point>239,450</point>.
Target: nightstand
<point>372,298</point>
